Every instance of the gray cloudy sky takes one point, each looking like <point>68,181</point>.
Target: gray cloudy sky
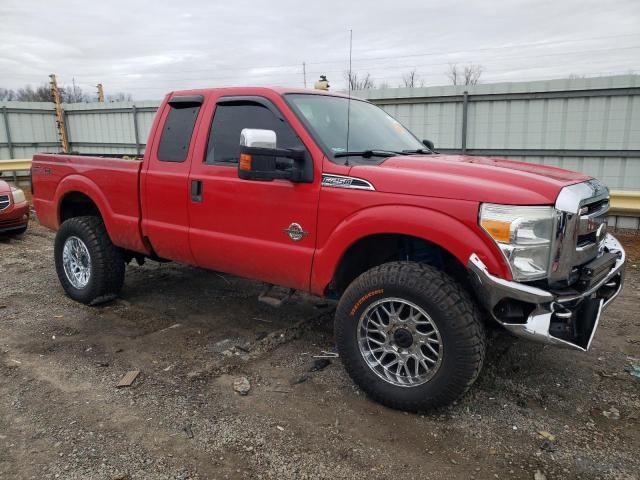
<point>147,48</point>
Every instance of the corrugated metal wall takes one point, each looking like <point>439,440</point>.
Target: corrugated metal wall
<point>591,125</point>
<point>109,127</point>
<point>91,127</point>
<point>28,123</point>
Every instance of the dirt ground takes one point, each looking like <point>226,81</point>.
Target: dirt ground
<point>191,333</point>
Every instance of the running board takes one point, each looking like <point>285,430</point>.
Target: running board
<point>269,296</point>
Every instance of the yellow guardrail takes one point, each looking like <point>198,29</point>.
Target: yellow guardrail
<point>16,165</point>
<point>623,202</point>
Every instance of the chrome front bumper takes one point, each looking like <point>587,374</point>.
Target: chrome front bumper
<point>548,316</point>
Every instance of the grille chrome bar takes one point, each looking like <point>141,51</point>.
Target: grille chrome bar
<point>580,229</point>
<point>4,202</point>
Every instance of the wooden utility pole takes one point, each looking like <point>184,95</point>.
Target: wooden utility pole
<point>100,93</point>
<point>62,129</point>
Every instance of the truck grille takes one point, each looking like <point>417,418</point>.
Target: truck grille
<point>4,202</point>
<point>580,230</point>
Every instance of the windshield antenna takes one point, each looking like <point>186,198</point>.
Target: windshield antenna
<point>349,94</point>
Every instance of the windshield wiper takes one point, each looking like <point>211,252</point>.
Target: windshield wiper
<point>367,153</point>
<point>423,151</point>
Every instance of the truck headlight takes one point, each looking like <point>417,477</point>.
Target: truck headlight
<point>524,234</point>
<point>18,195</point>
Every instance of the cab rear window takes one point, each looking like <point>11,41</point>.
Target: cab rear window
<point>177,131</point>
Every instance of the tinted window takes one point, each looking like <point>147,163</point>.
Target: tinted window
<point>230,119</point>
<point>176,134</point>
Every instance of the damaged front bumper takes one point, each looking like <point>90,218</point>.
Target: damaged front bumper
<point>565,317</point>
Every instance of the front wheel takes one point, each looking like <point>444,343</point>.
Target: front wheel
<point>410,336</point>
<point>89,266</point>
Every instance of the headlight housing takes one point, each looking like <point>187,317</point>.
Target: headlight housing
<point>523,234</point>
<point>18,195</point>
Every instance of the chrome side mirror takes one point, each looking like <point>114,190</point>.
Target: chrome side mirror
<point>256,137</point>
<point>261,160</point>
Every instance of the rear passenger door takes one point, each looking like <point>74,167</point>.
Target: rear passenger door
<point>240,226</point>
<point>165,184</point>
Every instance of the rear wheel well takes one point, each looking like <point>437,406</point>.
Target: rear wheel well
<point>374,250</point>
<point>77,204</point>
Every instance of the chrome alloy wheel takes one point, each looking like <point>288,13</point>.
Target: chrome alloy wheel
<point>400,342</point>
<point>76,262</point>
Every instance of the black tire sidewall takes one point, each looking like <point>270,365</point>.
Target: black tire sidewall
<point>355,302</point>
<point>107,262</point>
<point>71,228</point>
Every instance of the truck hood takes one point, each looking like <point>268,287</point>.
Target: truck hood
<point>463,177</point>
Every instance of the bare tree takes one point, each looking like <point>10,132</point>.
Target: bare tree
<point>119,97</point>
<point>41,93</point>
<point>410,79</point>
<point>74,94</point>
<point>6,94</point>
<point>467,75</point>
<point>359,83</point>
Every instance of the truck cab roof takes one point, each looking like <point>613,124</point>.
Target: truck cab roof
<point>257,91</point>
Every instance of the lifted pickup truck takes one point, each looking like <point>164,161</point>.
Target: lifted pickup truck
<point>317,192</point>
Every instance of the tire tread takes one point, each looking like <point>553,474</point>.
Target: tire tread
<point>465,322</point>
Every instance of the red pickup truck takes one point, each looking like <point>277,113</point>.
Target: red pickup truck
<point>330,195</point>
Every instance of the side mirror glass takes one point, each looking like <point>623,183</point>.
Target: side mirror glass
<point>429,144</point>
<point>260,159</point>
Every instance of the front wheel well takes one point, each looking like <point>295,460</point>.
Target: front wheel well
<point>375,250</point>
<point>77,204</point>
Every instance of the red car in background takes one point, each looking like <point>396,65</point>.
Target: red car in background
<point>14,210</point>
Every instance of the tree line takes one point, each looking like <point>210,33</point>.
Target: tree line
<point>68,94</point>
<point>457,75</point>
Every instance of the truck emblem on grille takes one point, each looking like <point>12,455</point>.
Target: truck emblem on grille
<point>296,232</point>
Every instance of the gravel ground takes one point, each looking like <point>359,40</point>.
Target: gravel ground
<point>193,334</point>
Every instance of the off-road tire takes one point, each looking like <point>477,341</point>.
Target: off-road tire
<point>107,260</point>
<point>451,309</point>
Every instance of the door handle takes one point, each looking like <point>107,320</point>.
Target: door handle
<point>196,191</point>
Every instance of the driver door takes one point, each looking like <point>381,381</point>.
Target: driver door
<point>240,226</point>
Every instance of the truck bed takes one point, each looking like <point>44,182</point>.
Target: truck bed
<point>112,184</point>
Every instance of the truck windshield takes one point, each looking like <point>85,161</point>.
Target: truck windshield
<point>371,129</point>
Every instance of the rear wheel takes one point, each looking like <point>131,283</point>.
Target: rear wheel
<point>90,268</point>
<point>410,336</point>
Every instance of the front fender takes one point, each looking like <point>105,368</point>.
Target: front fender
<point>449,233</point>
